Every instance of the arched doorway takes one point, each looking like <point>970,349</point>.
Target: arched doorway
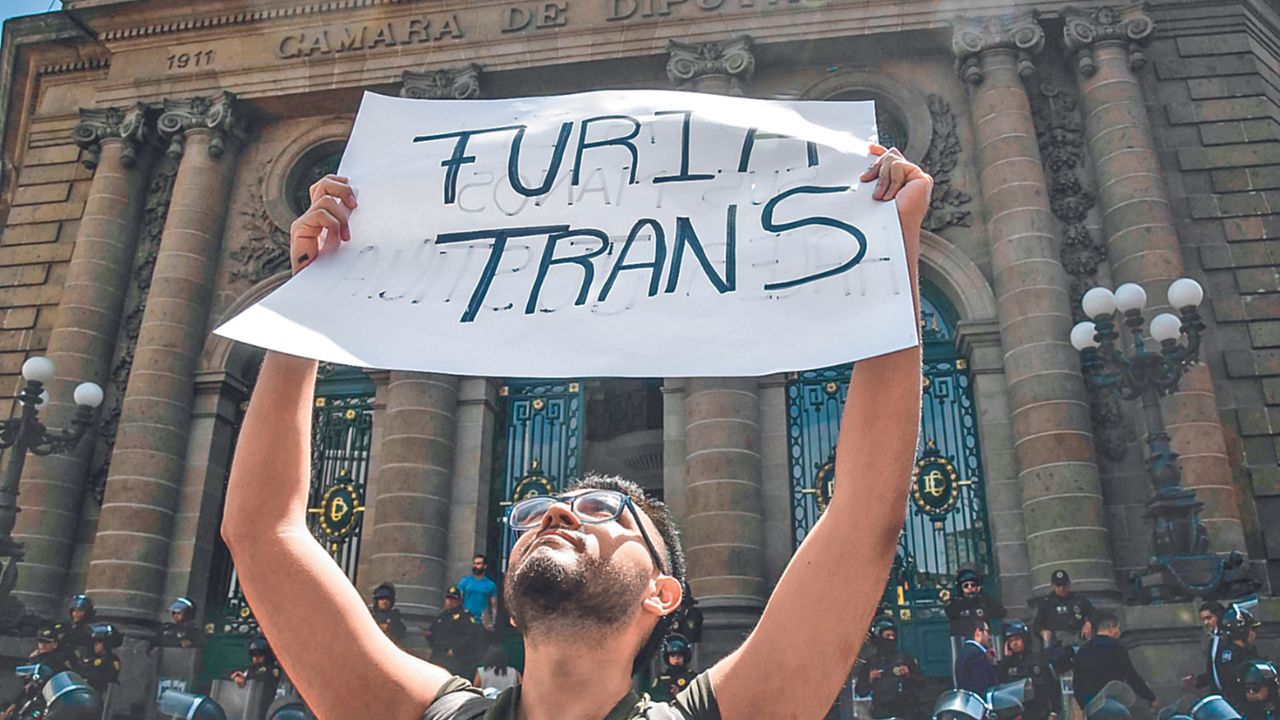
<point>946,526</point>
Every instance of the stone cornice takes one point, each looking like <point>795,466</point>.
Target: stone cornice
<point>732,59</point>
<point>97,124</point>
<point>461,83</point>
<point>218,113</point>
<point>971,37</point>
<point>1130,26</point>
<point>188,23</point>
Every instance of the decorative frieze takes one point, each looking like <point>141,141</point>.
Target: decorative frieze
<point>730,60</point>
<point>448,84</point>
<point>97,124</point>
<point>218,113</point>
<point>1130,26</point>
<point>1019,33</point>
<point>947,204</point>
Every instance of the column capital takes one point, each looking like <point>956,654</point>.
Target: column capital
<point>971,37</point>
<point>115,123</point>
<point>460,83</point>
<point>222,114</point>
<point>732,60</point>
<point>1130,26</point>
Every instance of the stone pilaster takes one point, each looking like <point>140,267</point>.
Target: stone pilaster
<point>131,553</point>
<point>1142,241</point>
<point>82,342</point>
<point>724,509</point>
<point>450,84</point>
<point>407,539</point>
<point>723,67</point>
<point>1062,505</point>
<point>472,474</point>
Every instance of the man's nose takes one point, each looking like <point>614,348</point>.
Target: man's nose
<point>559,515</point>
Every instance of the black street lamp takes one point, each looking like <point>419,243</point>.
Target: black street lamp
<point>1181,566</point>
<point>26,433</point>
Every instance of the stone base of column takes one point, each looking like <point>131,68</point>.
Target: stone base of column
<point>725,624</point>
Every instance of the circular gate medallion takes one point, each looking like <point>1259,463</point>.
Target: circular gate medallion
<point>339,510</point>
<point>935,485</point>
<point>824,483</point>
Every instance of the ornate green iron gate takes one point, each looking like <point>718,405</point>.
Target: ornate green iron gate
<point>539,449</point>
<point>342,433</point>
<point>946,525</point>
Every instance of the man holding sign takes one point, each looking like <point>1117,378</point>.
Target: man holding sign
<point>596,572</point>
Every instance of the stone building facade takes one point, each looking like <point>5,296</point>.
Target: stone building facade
<point>154,154</point>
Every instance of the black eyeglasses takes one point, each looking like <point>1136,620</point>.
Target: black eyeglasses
<point>594,507</point>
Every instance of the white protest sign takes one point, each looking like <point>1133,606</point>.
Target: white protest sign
<point>615,233</point>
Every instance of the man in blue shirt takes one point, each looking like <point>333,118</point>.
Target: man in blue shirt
<point>975,668</point>
<point>479,593</point>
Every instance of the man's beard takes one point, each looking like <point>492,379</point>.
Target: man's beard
<point>547,593</point>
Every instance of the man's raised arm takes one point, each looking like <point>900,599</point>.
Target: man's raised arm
<point>290,582</point>
<point>818,615</point>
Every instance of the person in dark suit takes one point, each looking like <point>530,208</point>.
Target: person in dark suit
<point>975,668</point>
<point>1103,660</point>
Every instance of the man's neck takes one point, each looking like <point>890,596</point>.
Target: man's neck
<point>574,680</point>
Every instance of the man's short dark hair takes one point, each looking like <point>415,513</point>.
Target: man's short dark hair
<point>661,518</point>
<point>1214,607</point>
<point>1106,621</point>
<point>481,557</point>
<point>971,627</point>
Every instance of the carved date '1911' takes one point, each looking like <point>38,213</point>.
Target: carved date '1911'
<point>182,61</point>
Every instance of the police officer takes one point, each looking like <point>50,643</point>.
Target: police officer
<point>969,602</point>
<point>1063,617</point>
<point>385,613</point>
<point>75,635</point>
<point>456,637</point>
<point>30,701</point>
<point>262,664</point>
<point>182,631</point>
<point>1261,687</point>
<point>1020,662</point>
<point>678,674</point>
<point>50,651</point>
<point>101,667</point>
<point>1235,650</point>
<point>889,674</point>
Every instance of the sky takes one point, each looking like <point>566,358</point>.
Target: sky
<point>15,8</point>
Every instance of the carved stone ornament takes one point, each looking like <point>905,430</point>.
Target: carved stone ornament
<point>449,84</point>
<point>266,248</point>
<point>731,59</point>
<point>947,204</point>
<point>219,113</point>
<point>128,124</point>
<point>1019,33</point>
<point>1130,26</point>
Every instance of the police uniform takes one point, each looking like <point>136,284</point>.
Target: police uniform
<point>100,670</point>
<point>77,637</point>
<point>389,620</point>
<point>1062,614</point>
<point>891,695</point>
<point>674,678</point>
<point>456,639</point>
<point>58,658</point>
<point>1260,674</point>
<point>1232,654</point>
<point>962,609</point>
<point>1033,666</point>
<point>176,634</point>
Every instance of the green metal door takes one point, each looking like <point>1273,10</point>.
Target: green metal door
<point>946,524</point>
<point>342,434</point>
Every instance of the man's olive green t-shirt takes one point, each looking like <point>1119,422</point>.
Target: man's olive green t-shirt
<point>696,702</point>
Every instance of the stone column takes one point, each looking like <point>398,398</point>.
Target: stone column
<point>127,572</point>
<point>1142,243</point>
<point>82,343</point>
<point>472,474</point>
<point>1062,505</point>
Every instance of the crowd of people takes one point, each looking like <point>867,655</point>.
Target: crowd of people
<point>1067,638</point>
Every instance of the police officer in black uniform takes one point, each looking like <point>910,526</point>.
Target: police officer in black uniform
<point>262,664</point>
<point>456,637</point>
<point>1022,662</point>
<point>678,656</point>
<point>969,602</point>
<point>385,613</point>
<point>1261,686</point>
<point>50,651</point>
<point>1235,651</point>
<point>181,631</point>
<point>101,667</point>
<point>75,635</point>
<point>1063,619</point>
<point>889,674</point>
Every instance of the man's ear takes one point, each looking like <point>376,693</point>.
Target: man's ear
<point>665,596</point>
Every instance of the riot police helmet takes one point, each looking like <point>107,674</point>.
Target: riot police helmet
<point>176,703</point>
<point>676,644</point>
<point>1110,709</point>
<point>1016,628</point>
<point>1214,707</point>
<point>183,605</point>
<point>968,575</point>
<point>82,602</point>
<point>1008,701</point>
<point>1258,673</point>
<point>385,590</point>
<point>39,672</point>
<point>960,705</point>
<point>68,697</point>
<point>258,646</point>
<point>1237,621</point>
<point>106,634</point>
<point>881,625</point>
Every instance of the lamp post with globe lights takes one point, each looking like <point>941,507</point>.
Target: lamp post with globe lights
<point>26,433</point>
<point>1181,565</point>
